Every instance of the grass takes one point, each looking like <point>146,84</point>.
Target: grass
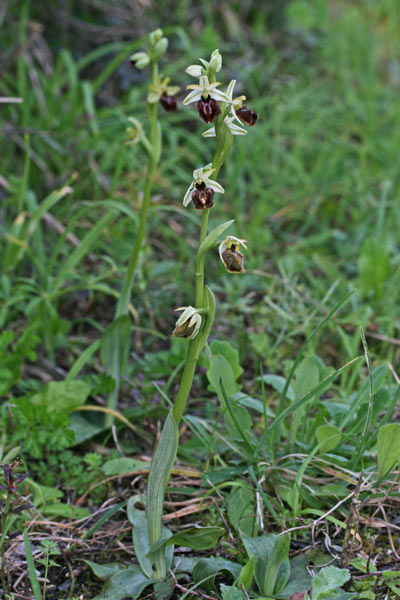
<point>314,190</point>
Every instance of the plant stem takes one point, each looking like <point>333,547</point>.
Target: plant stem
<point>124,299</point>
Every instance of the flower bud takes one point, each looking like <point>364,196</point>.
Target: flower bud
<point>194,71</point>
<point>215,64</point>
<point>160,49</point>
<point>139,60</point>
<point>188,324</point>
<point>155,36</point>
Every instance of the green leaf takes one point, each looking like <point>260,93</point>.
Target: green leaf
<point>388,448</point>
<point>198,538</point>
<point>212,237</point>
<point>31,567</point>
<point>160,471</point>
<point>374,266</point>
<point>68,511</point>
<point>231,593</point>
<point>104,571</point>
<point>122,466</point>
<point>61,396</point>
<point>229,352</point>
<point>330,435</point>
<point>278,383</point>
<point>140,535</point>
<point>114,346</point>
<point>126,583</point>
<point>210,568</point>
<point>278,567</point>
<point>242,510</point>
<point>306,377</point>
<point>246,574</point>
<point>210,306</point>
<point>327,581</point>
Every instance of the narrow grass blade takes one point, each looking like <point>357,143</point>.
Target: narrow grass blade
<point>31,568</point>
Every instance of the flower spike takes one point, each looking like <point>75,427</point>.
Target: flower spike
<point>201,190</point>
<point>189,323</point>
<point>230,255</point>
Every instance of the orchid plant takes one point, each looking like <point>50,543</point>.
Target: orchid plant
<point>152,541</point>
<point>227,115</point>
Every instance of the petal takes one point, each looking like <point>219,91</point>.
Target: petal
<point>236,130</point>
<point>197,318</point>
<point>214,186</point>
<point>218,95</point>
<point>209,132</point>
<point>188,195</point>
<point>204,63</point>
<point>192,97</point>
<point>229,91</point>
<point>232,238</point>
<point>194,70</point>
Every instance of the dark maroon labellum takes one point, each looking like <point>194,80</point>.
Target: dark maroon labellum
<point>247,116</point>
<point>202,196</point>
<point>168,102</point>
<point>208,109</point>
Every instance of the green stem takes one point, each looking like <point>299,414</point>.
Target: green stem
<point>124,299</point>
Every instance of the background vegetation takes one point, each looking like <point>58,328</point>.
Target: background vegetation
<point>315,192</point>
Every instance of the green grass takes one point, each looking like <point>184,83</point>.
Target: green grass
<point>313,188</point>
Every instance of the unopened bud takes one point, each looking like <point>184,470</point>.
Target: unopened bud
<point>194,71</point>
<point>155,36</point>
<point>139,60</point>
<point>160,49</point>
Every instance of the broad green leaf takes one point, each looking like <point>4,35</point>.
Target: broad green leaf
<point>330,435</point>
<point>198,538</point>
<point>126,583</point>
<point>121,466</point>
<point>105,571</point>
<point>261,548</point>
<point>278,568</point>
<point>230,353</point>
<point>83,428</point>
<point>160,471</point>
<point>242,509</point>
<point>69,511</point>
<point>388,448</point>
<point>247,574</point>
<point>231,593</point>
<point>62,396</point>
<point>327,581</point>
<point>140,535</point>
<point>278,383</point>
<point>306,377</point>
<point>210,568</point>
<point>220,369</point>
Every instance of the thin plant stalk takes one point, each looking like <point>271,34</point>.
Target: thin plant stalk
<point>124,299</point>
